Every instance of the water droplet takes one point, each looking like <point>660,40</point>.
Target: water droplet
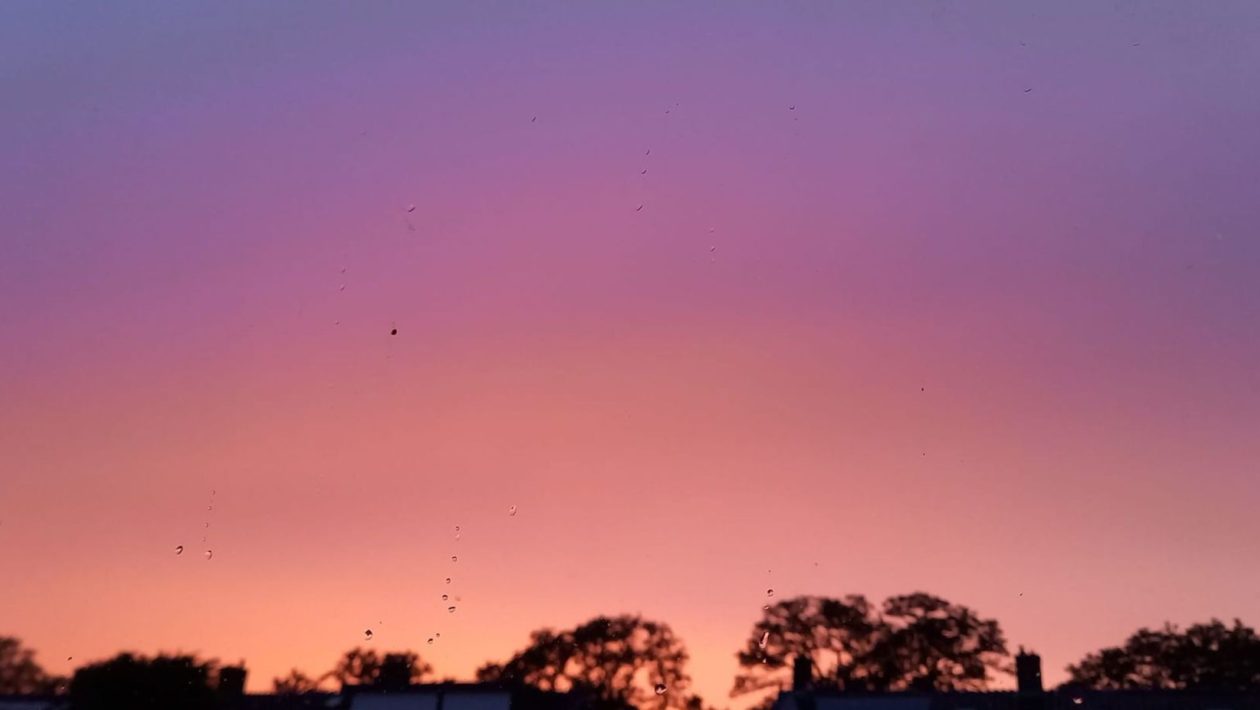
<point>792,107</point>
<point>438,635</point>
<point>367,634</point>
<point>648,151</point>
<point>448,580</point>
<point>410,208</point>
<point>454,558</point>
<point>69,658</point>
<point>660,689</point>
<point>639,208</point>
<point>393,331</point>
<point>534,119</point>
<point>765,607</point>
<point>444,597</point>
<point>769,592</point>
<point>209,554</point>
<point>179,549</point>
<point>430,641</point>
<point>643,171</point>
<point>450,609</point>
<point>764,638</point>
<point>512,510</point>
<point>209,507</point>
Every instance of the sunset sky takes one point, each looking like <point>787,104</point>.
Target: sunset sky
<point>941,296</point>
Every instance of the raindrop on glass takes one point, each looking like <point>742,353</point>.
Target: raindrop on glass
<point>444,597</point>
<point>764,638</point>
<point>765,607</point>
<point>410,208</point>
<point>454,558</point>
<point>367,634</point>
<point>450,609</point>
<point>769,592</point>
<point>448,580</point>
<point>430,641</point>
<point>179,549</point>
<point>512,510</point>
<point>639,208</point>
<point>209,554</point>
<point>660,688</point>
<point>393,331</point>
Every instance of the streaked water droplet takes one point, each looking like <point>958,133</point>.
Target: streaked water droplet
<point>639,208</point>
<point>179,549</point>
<point>410,208</point>
<point>512,511</point>
<point>367,634</point>
<point>209,554</point>
<point>660,688</point>
<point>764,638</point>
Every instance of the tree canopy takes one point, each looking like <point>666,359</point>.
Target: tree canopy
<point>911,642</point>
<point>365,667</point>
<point>139,683</point>
<point>1204,656</point>
<point>20,674</point>
<point>621,661</point>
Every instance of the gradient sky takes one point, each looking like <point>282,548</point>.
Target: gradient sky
<point>960,297</point>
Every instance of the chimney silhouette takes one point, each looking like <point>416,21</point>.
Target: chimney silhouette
<point>231,686</point>
<point>802,673</point>
<point>1028,672</point>
<point>396,671</point>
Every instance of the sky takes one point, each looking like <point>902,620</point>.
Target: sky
<point>829,298</point>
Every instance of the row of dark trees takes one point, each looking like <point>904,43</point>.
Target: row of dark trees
<point>908,642</point>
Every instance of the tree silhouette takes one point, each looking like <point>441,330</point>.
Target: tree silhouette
<point>938,646</point>
<point>138,683</point>
<point>914,642</point>
<point>620,662</point>
<point>1204,656</point>
<point>20,674</point>
<point>296,683</point>
<point>364,667</point>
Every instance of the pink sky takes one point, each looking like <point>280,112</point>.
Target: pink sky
<point>951,297</point>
